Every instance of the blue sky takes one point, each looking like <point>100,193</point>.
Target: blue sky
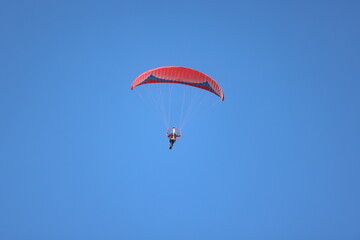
<point>81,157</point>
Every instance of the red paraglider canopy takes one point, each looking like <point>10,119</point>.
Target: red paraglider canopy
<point>180,75</point>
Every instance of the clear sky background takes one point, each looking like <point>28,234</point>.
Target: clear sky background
<point>82,158</point>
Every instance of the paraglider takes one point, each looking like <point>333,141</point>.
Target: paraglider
<point>173,134</point>
<point>166,97</point>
